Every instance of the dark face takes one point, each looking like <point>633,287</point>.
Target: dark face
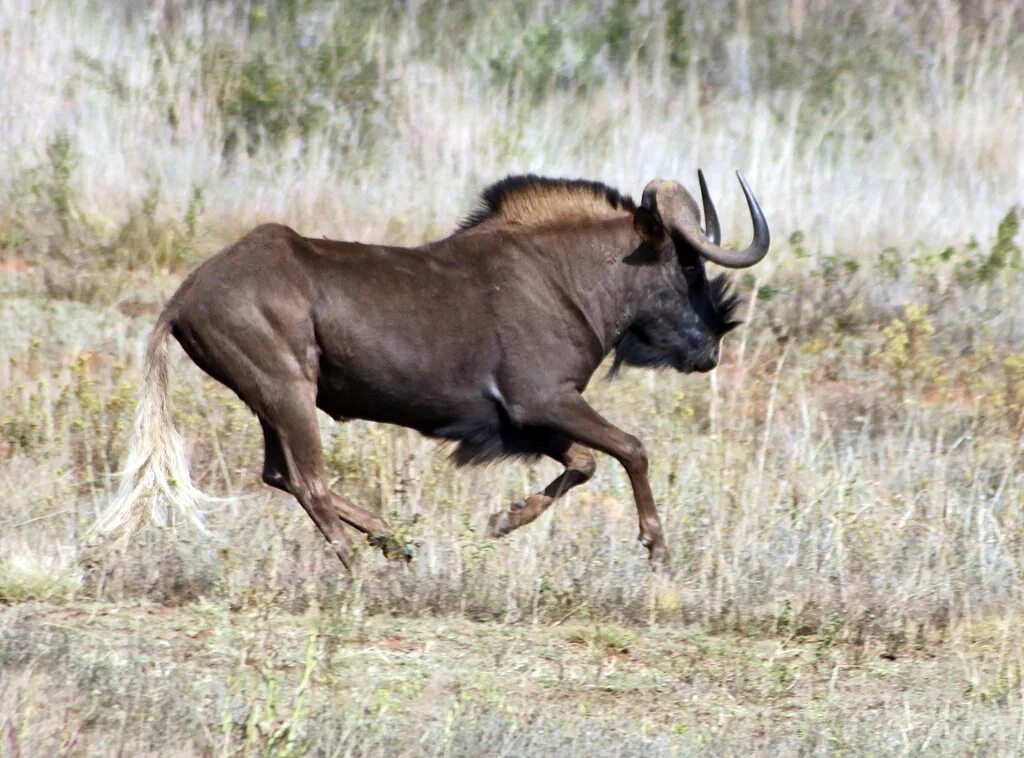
<point>683,327</point>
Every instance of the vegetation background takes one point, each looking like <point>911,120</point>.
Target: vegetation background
<point>843,495</point>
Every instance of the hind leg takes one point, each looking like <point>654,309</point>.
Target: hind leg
<point>290,464</point>
<point>275,469</point>
<point>294,463</point>
<point>579,467</point>
<point>270,361</point>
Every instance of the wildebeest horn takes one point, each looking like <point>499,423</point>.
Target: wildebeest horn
<point>711,229</point>
<point>723,256</point>
<point>679,212</point>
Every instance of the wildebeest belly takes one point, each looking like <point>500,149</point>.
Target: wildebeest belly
<point>450,403</point>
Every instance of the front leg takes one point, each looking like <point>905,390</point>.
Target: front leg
<point>573,416</point>
<point>579,467</point>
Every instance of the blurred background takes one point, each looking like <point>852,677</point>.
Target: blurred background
<point>850,475</point>
<point>861,124</point>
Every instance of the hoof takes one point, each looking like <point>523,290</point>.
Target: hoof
<point>664,567</point>
<point>661,562</point>
<point>499,524</point>
<point>393,548</point>
<point>661,559</point>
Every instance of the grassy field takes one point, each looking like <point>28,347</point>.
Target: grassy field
<point>95,678</point>
<point>843,496</point>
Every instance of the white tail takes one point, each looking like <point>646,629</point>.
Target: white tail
<point>156,472</point>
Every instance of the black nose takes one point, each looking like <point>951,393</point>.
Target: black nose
<point>707,361</point>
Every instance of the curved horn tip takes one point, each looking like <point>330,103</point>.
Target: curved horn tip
<point>755,207</point>
<point>711,228</point>
<point>703,183</point>
<point>744,183</point>
<point>762,237</point>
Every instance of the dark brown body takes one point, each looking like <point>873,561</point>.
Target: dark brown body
<point>439,338</point>
<point>487,338</point>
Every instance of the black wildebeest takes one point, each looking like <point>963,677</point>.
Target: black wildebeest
<point>487,338</point>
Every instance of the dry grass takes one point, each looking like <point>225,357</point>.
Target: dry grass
<point>912,140</point>
<point>92,679</point>
<point>843,496</point>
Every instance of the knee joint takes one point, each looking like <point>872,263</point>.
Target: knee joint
<point>584,464</point>
<point>275,479</point>
<point>309,493</point>
<point>634,456</point>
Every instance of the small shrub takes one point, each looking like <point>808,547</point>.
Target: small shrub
<point>26,574</point>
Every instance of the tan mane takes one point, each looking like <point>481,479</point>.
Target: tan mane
<point>533,200</point>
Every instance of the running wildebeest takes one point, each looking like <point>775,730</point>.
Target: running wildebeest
<point>486,338</point>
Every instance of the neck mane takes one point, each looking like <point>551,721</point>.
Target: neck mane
<point>531,200</point>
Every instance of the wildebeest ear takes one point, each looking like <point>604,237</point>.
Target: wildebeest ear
<point>648,224</point>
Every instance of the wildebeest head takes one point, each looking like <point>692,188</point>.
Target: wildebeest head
<point>683,324</point>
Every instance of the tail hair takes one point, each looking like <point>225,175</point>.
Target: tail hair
<point>156,479</point>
